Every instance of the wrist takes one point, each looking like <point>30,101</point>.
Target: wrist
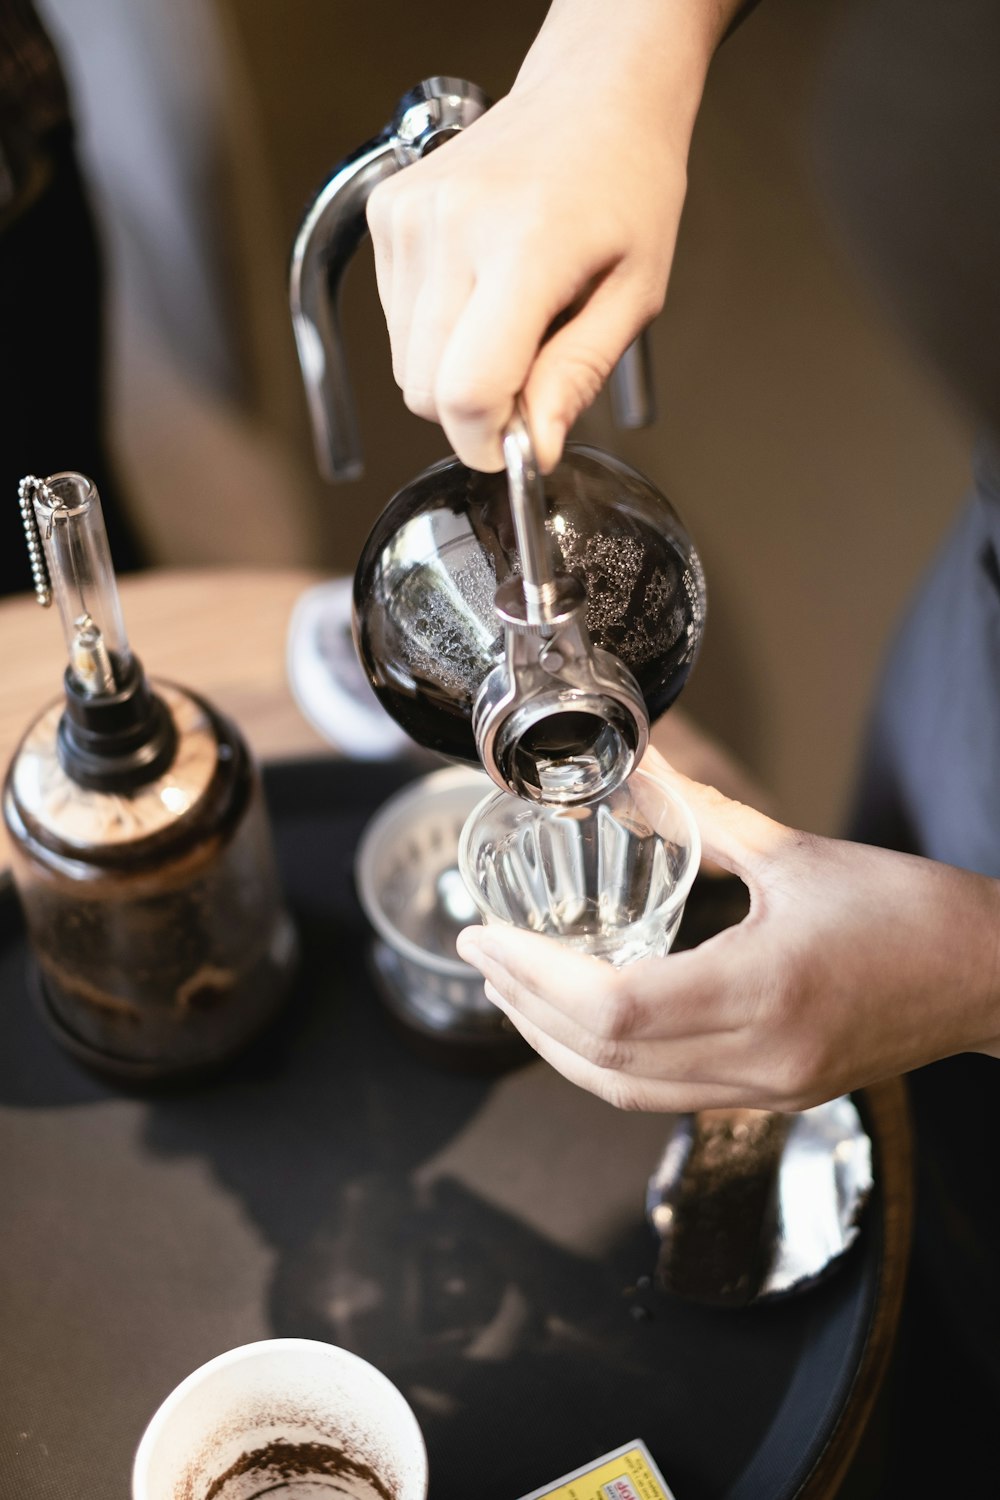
<point>982,979</point>
<point>650,56</point>
<point>991,1008</point>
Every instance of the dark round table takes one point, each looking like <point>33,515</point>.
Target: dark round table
<point>481,1239</point>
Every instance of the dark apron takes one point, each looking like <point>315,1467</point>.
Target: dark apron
<point>908,153</point>
<point>931,785</point>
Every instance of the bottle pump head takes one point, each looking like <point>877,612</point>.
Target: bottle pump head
<point>115,734</point>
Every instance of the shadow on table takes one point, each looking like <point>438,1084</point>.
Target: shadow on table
<point>521,1359</point>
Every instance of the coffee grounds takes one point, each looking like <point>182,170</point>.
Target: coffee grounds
<point>283,1460</point>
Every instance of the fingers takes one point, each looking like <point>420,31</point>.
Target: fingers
<point>623,1090</point>
<point>469,358</point>
<point>521,220</point>
<point>468,325</point>
<point>463,339</point>
<point>686,1032</point>
<point>406,279</point>
<point>587,1004</point>
<point>494,342</point>
<point>399,237</point>
<point>436,306</point>
<point>378,213</point>
<point>571,367</point>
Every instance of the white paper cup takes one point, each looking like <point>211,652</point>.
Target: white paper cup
<point>284,1417</point>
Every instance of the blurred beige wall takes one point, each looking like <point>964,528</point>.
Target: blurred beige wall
<point>815,461</point>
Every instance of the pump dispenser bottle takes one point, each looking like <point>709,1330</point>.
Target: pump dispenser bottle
<point>140,845</point>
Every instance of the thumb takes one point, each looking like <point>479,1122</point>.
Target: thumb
<point>737,837</point>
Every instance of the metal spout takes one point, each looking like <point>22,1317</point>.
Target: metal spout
<point>559,720</point>
<point>527,507</point>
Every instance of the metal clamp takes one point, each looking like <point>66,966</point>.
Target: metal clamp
<point>559,720</point>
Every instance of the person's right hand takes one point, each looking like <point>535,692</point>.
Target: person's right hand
<point>559,206</point>
<point>854,964</point>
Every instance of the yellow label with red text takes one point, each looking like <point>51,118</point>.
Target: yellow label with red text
<point>628,1473</point>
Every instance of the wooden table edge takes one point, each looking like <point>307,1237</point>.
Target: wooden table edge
<point>887,1106</point>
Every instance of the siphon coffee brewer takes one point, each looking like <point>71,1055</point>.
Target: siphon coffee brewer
<point>140,845</point>
<point>535,624</point>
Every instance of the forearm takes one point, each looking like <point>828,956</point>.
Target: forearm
<point>652,55</point>
<point>951,950</point>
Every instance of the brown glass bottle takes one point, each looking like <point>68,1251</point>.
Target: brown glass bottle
<point>140,845</point>
<point>160,936</point>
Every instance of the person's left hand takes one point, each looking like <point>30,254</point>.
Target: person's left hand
<point>853,964</point>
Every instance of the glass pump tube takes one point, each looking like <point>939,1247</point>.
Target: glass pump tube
<point>116,733</point>
<point>71,527</point>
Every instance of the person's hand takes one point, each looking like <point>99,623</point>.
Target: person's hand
<point>560,206</point>
<point>692,751</point>
<point>853,964</point>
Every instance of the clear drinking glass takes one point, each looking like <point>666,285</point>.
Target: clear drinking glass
<point>608,879</point>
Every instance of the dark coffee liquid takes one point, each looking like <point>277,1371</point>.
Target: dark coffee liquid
<point>425,624</point>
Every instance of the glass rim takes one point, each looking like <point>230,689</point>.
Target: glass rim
<point>661,913</point>
<point>75,493</point>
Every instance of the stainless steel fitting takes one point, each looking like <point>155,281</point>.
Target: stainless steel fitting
<point>559,720</point>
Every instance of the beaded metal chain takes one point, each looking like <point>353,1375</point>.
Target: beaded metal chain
<point>27,490</point>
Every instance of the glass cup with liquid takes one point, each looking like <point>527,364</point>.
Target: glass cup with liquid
<point>608,879</point>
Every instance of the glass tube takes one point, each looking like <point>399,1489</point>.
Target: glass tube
<point>71,527</point>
